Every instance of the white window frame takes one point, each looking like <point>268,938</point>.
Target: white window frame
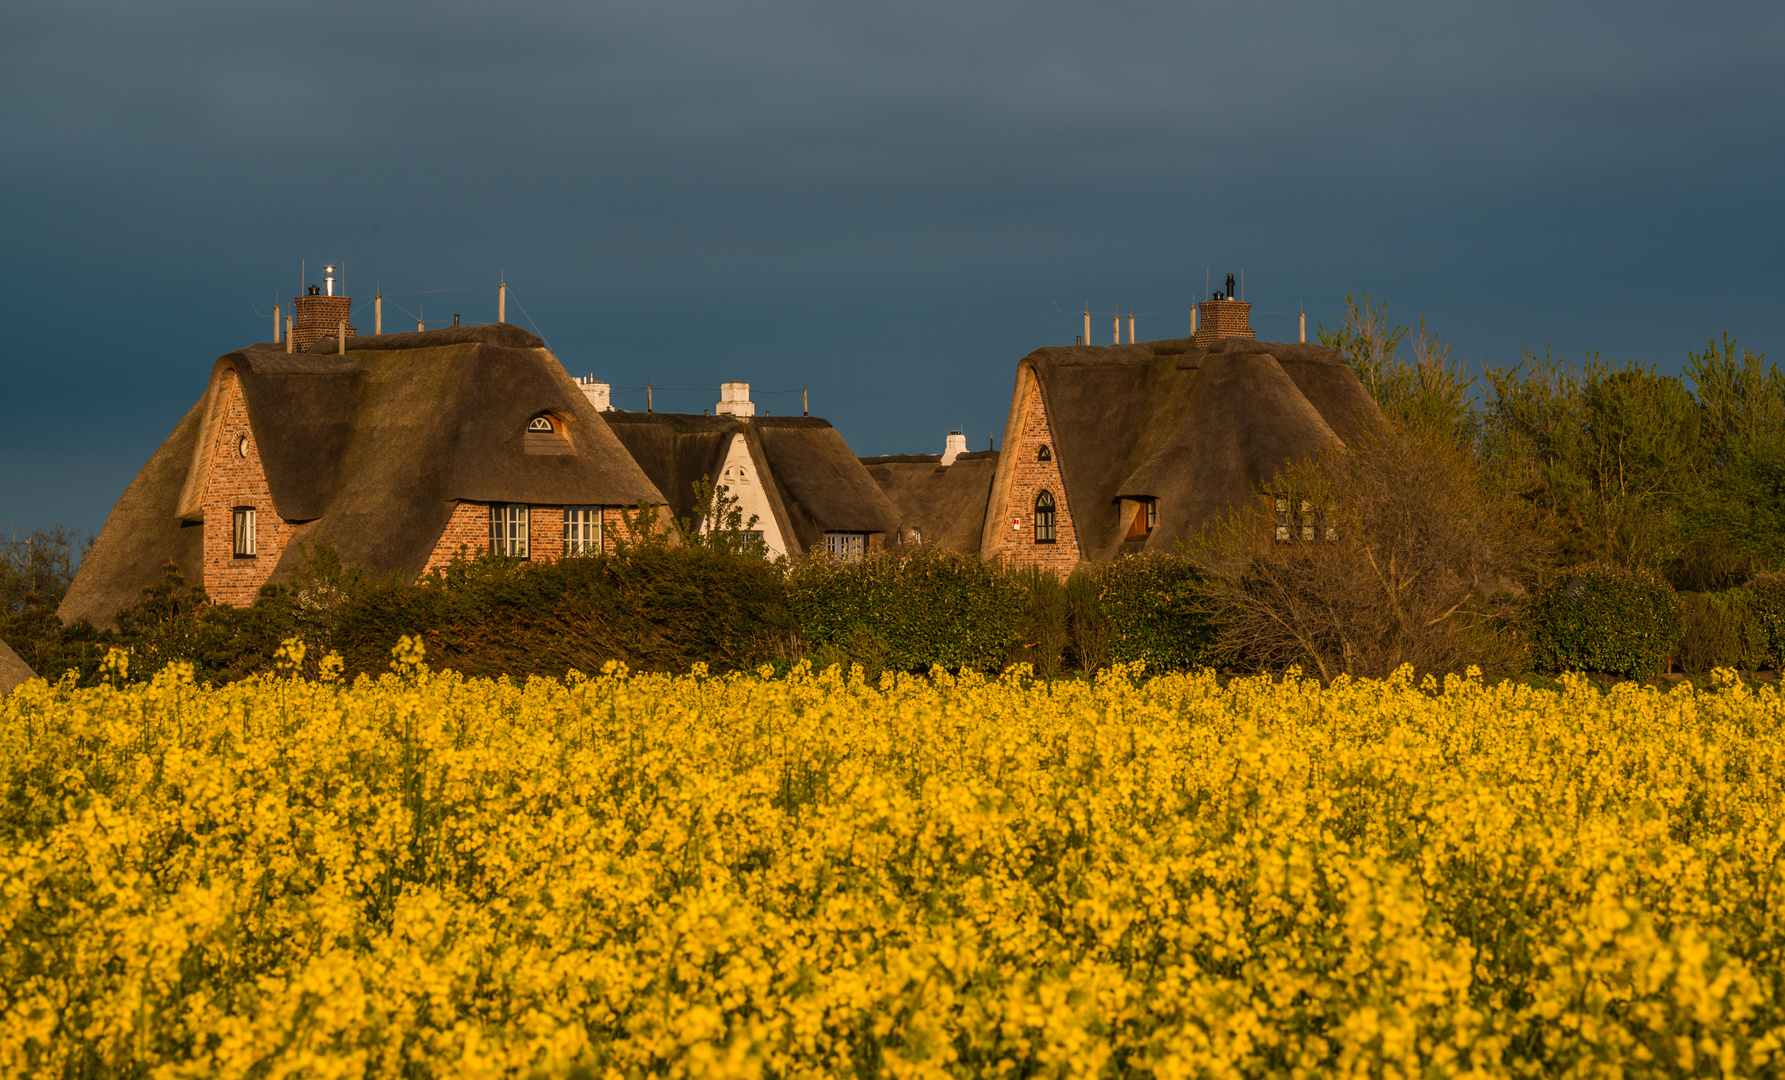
<point>847,546</point>
<point>243,528</point>
<point>510,529</point>
<point>582,530</point>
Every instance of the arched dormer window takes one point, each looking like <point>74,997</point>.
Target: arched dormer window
<point>1044,518</point>
<point>1044,454</point>
<point>546,435</point>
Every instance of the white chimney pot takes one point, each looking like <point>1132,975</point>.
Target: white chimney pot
<point>957,445</point>
<point>734,400</point>
<point>598,393</point>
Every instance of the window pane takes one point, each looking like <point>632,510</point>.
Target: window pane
<point>244,532</point>
<point>846,546</point>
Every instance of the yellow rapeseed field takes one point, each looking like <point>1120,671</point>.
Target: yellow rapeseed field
<point>645,875</point>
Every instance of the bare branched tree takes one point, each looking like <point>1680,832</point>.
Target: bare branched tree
<point>1371,556</point>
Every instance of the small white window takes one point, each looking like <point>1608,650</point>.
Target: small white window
<point>508,529</point>
<point>242,446</point>
<point>244,532</point>
<point>582,530</point>
<point>542,424</point>
<point>850,547</point>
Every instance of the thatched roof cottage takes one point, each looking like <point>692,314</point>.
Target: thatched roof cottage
<point>1128,448</point>
<point>396,452</point>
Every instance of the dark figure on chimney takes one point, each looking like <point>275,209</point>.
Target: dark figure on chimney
<point>1230,286</point>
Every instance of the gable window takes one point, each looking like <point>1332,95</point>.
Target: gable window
<point>582,530</point>
<point>508,530</point>
<point>546,435</point>
<point>1044,518</point>
<point>848,546</point>
<point>244,532</point>
<point>1044,454</point>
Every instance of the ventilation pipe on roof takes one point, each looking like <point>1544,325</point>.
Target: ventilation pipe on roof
<point>734,400</point>
<point>957,445</point>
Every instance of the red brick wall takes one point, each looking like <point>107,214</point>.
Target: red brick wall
<point>1028,477</point>
<point>1217,319</point>
<point>470,526</point>
<point>232,480</point>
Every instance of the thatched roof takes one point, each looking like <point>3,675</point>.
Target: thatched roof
<point>13,671</point>
<point>372,449</point>
<point>1200,430</point>
<point>816,484</point>
<point>946,504</point>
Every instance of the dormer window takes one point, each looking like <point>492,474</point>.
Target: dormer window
<point>1143,517</point>
<point>1044,454</point>
<point>546,435</point>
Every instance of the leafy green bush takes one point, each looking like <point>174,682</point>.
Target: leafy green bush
<point>1609,619</point>
<point>1767,598</point>
<point>909,609</point>
<point>1721,629</point>
<point>1154,606</point>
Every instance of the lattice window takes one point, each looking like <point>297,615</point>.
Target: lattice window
<point>582,530</point>
<point>1044,518</point>
<point>509,529</point>
<point>850,547</point>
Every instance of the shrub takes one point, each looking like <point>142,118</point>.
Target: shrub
<point>911,608</point>
<point>1089,626</point>
<point>1610,619</point>
<point>1721,629</point>
<point>1156,611</point>
<point>654,608</point>
<point>1767,598</point>
<point>1048,617</point>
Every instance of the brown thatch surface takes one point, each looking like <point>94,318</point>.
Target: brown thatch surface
<point>1200,430</point>
<point>373,449</point>
<point>816,484</point>
<point>947,505</point>
<point>13,671</point>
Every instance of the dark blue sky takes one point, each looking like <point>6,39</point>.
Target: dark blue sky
<point>882,202</point>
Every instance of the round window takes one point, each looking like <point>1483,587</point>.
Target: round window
<point>242,446</point>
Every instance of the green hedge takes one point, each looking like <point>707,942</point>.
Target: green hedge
<point>1154,610</point>
<point>1607,619</point>
<point>1722,630</point>
<point>909,609</point>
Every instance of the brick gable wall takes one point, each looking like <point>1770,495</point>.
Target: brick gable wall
<point>233,480</point>
<point>1029,476</point>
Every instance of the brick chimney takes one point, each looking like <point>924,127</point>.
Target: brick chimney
<point>319,314</point>
<point>1222,317</point>
<point>734,400</point>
